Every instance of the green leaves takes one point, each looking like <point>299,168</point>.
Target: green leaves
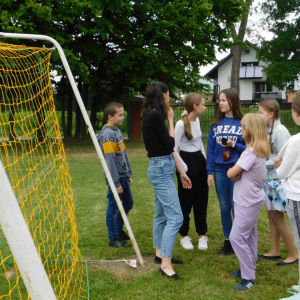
<point>283,50</point>
<point>120,45</point>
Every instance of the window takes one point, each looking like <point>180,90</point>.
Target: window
<point>262,87</point>
<point>246,51</point>
<point>249,64</point>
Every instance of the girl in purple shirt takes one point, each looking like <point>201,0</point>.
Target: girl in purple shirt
<point>249,173</point>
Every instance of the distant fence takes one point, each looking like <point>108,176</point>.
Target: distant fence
<point>208,117</point>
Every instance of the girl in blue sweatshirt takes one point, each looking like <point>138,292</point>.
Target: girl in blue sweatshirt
<point>224,147</point>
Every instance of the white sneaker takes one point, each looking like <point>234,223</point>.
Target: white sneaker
<point>295,288</point>
<point>186,243</point>
<point>202,243</point>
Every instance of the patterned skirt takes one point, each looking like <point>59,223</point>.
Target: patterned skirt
<point>275,198</point>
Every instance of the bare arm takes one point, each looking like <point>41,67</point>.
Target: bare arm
<point>186,182</point>
<point>171,121</point>
<point>235,172</point>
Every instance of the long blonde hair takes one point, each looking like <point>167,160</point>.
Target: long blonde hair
<point>190,100</point>
<point>271,105</point>
<point>256,134</point>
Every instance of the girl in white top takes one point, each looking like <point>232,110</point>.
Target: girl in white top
<point>188,137</point>
<point>275,198</point>
<point>288,168</point>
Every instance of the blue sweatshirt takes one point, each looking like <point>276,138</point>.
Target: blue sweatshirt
<point>231,129</point>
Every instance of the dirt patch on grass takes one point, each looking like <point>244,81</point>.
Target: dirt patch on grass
<point>124,272</point>
<point>10,274</point>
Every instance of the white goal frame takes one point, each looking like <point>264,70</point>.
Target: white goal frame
<point>11,217</point>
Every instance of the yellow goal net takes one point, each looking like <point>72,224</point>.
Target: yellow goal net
<point>32,153</point>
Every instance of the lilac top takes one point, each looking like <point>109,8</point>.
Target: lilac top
<point>249,189</point>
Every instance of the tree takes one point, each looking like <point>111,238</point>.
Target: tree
<point>118,46</point>
<point>282,52</point>
<point>238,38</point>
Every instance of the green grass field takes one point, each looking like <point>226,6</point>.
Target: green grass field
<point>205,274</point>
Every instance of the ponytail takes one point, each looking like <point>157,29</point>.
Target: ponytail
<point>190,100</point>
<point>187,125</point>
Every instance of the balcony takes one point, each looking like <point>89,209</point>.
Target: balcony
<point>250,72</point>
<point>259,96</point>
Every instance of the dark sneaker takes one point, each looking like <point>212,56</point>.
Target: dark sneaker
<point>125,244</point>
<point>245,285</point>
<point>124,236</point>
<point>119,243</point>
<point>225,248</point>
<point>115,243</point>
<point>157,260</point>
<point>230,251</point>
<point>236,274</point>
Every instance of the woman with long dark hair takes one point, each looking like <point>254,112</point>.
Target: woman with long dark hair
<point>224,147</point>
<point>159,143</point>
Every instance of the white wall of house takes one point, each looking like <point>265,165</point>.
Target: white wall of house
<point>249,57</point>
<point>247,86</point>
<point>224,73</point>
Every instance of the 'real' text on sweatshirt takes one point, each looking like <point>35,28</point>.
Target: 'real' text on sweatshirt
<point>230,129</point>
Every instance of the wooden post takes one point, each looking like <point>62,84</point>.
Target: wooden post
<point>136,118</point>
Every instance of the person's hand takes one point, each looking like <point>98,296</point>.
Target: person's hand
<point>229,144</point>
<point>129,180</point>
<point>210,181</point>
<point>186,182</point>
<point>170,114</point>
<point>237,177</point>
<point>119,190</point>
<point>277,162</point>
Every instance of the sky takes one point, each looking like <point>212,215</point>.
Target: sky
<point>253,21</point>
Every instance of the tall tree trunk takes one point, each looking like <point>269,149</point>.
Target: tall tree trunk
<point>63,113</point>
<point>85,101</point>
<point>238,50</point>
<point>94,110</point>
<point>235,70</point>
<point>78,113</point>
<point>63,106</point>
<point>70,113</point>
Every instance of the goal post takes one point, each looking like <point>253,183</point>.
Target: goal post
<point>34,163</point>
<point>21,243</point>
<point>89,125</point>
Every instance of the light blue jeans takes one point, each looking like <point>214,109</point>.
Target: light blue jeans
<point>168,216</point>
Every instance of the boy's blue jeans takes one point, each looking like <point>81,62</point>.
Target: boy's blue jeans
<point>168,216</point>
<point>224,188</point>
<point>114,221</point>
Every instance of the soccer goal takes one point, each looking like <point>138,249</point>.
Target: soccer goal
<point>38,232</point>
